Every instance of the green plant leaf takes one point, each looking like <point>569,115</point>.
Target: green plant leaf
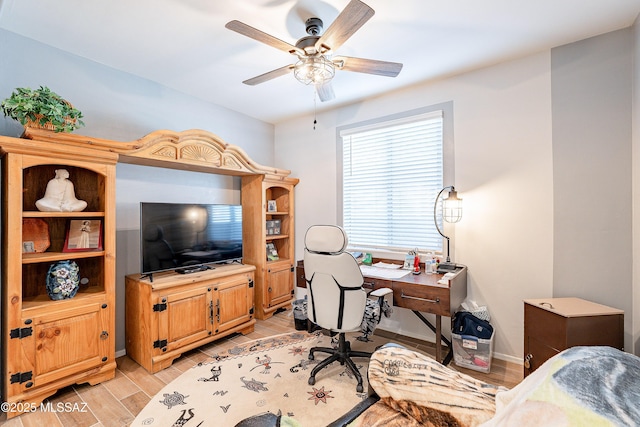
<point>26,104</point>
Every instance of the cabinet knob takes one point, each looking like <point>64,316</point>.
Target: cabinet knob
<point>104,335</point>
<point>527,361</point>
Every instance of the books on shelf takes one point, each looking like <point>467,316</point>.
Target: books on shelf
<point>272,253</point>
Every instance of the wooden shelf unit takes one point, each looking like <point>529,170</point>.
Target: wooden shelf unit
<point>91,163</point>
<point>275,279</point>
<point>47,344</point>
<point>201,151</point>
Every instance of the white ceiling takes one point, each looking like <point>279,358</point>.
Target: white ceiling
<point>184,45</point>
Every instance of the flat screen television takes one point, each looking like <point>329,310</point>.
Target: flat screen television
<point>183,237</point>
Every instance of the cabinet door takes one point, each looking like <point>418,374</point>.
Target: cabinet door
<point>545,335</point>
<point>536,352</point>
<point>233,303</point>
<point>279,284</point>
<point>65,343</point>
<point>183,317</point>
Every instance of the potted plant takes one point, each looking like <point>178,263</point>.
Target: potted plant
<point>42,108</point>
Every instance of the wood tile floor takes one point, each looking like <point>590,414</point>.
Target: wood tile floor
<point>115,403</point>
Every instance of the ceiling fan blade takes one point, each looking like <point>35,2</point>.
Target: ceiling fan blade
<point>354,16</point>
<point>269,75</point>
<point>254,33</point>
<point>369,66</point>
<point>325,91</point>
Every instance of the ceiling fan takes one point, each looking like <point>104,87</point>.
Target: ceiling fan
<point>316,64</point>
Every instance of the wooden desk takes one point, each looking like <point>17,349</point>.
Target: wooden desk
<point>420,293</point>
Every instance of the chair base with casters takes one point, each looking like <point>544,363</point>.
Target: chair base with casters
<point>342,354</point>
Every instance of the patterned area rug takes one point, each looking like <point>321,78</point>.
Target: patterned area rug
<point>266,375</point>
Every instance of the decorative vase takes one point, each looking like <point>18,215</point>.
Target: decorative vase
<point>63,280</point>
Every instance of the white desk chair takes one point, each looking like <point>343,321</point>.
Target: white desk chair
<point>336,299</point>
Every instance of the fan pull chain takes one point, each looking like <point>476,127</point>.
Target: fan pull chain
<point>315,96</point>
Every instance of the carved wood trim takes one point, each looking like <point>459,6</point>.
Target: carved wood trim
<point>195,150</point>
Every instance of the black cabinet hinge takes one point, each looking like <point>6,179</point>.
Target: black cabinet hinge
<point>21,377</point>
<point>251,283</point>
<point>21,332</point>
<point>160,307</point>
<point>251,310</point>
<point>159,343</point>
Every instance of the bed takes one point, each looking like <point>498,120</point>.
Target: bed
<point>581,386</point>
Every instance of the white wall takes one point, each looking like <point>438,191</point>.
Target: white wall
<point>117,105</point>
<point>592,89</point>
<point>502,134</point>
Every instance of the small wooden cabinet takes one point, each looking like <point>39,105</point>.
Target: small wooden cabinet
<point>49,344</point>
<point>555,324</point>
<point>269,200</point>
<point>175,313</point>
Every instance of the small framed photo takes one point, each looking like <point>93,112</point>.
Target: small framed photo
<point>272,206</point>
<point>83,235</point>
<point>273,227</point>
<point>28,247</point>
<point>272,252</point>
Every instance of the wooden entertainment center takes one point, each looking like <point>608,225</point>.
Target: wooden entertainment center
<point>49,344</point>
<point>179,312</point>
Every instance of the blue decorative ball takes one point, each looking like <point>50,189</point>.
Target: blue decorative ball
<point>63,280</point>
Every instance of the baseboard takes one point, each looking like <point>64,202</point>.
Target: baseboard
<point>508,358</point>
<point>385,332</point>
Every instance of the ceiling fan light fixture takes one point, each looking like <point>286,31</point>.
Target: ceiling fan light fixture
<point>314,70</point>
<point>316,63</point>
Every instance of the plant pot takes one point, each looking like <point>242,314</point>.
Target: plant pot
<point>63,280</point>
<point>48,125</point>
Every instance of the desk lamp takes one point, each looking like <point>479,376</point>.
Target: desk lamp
<point>451,212</point>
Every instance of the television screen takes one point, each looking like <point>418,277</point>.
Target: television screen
<point>177,236</point>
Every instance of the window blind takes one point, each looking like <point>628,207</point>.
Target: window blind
<point>392,172</point>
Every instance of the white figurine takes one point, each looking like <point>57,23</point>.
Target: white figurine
<point>60,195</point>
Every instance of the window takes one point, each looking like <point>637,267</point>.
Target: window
<point>392,171</point>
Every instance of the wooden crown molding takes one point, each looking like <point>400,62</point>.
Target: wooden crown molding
<point>194,150</point>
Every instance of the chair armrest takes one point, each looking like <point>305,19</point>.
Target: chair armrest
<point>381,292</point>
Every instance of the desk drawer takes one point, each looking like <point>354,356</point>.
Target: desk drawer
<point>428,299</point>
<point>371,284</point>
